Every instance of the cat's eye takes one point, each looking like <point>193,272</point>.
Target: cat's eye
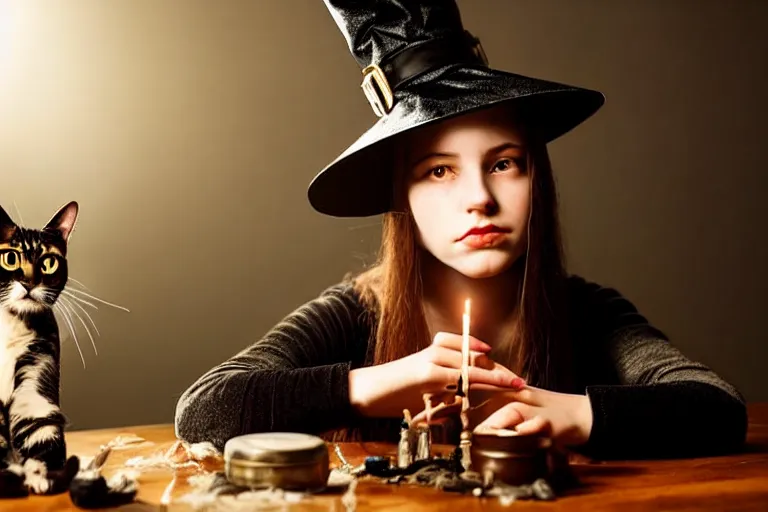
<point>10,260</point>
<point>49,264</point>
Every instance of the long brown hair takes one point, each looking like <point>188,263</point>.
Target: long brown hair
<point>537,349</point>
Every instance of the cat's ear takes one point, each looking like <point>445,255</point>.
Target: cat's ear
<point>7,226</point>
<point>5,219</point>
<point>64,220</point>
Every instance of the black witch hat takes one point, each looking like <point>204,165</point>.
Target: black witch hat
<point>420,66</point>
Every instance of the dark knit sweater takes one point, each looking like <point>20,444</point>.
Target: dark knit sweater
<point>648,399</point>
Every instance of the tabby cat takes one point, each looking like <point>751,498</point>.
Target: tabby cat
<point>33,273</point>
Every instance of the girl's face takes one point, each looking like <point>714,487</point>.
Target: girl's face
<point>469,192</point>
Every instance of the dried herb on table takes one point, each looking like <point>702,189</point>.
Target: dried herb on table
<point>448,475</point>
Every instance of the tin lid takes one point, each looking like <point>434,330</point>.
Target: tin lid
<point>509,441</point>
<point>275,448</point>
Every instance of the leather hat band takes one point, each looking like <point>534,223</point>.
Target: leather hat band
<point>379,81</point>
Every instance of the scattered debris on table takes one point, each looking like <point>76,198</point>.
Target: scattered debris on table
<point>441,476</point>
<point>89,489</point>
<point>448,474</point>
<point>210,490</point>
<point>124,441</point>
<point>180,455</point>
<point>349,498</point>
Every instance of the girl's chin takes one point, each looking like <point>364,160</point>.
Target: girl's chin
<point>484,266</point>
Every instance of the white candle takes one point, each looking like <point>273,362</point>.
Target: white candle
<point>465,337</point>
<point>465,361</point>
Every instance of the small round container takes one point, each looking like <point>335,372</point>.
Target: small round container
<point>284,460</point>
<point>513,459</point>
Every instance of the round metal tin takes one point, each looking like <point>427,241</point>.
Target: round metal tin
<point>284,460</point>
<point>512,458</point>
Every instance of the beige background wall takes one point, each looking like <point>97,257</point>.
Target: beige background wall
<point>189,130</point>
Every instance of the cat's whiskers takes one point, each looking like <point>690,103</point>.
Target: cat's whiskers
<point>49,296</point>
<point>71,298</point>
<point>70,278</point>
<point>73,310</point>
<point>66,317</point>
<point>75,297</point>
<point>97,299</point>
<point>75,303</point>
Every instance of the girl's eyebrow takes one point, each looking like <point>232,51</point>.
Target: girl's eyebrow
<point>502,147</point>
<point>430,155</point>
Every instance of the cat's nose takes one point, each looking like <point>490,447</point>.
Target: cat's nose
<point>27,286</point>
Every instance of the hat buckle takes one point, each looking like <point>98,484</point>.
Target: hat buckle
<point>376,88</point>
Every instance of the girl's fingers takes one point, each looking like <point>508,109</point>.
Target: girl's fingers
<point>525,394</point>
<point>501,378</point>
<point>448,358</point>
<point>455,342</point>
<point>535,425</point>
<point>446,380</point>
<point>442,379</point>
<point>508,416</point>
<point>446,352</point>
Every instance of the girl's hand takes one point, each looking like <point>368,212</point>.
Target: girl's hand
<point>385,390</point>
<point>565,418</point>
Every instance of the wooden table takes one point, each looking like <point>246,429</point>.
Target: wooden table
<point>737,482</point>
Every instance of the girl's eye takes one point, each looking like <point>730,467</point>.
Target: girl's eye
<point>504,165</point>
<point>438,172</point>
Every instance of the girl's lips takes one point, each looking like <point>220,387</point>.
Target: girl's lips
<point>484,236</point>
<point>481,240</point>
<point>481,230</point>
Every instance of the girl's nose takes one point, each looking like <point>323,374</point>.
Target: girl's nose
<point>477,196</point>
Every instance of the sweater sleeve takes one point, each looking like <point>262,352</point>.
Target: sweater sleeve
<point>295,378</point>
<point>660,403</point>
